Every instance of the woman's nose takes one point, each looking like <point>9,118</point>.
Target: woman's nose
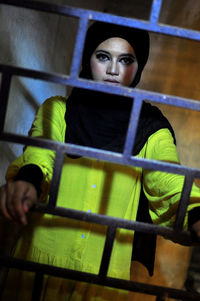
<point>113,68</point>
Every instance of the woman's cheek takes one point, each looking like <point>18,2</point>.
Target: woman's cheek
<point>97,71</point>
<point>129,75</point>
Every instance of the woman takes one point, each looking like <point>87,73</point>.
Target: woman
<point>116,56</point>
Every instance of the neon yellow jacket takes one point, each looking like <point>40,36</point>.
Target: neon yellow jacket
<point>98,187</point>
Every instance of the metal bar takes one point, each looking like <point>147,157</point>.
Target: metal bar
<point>4,94</point>
<point>37,287</point>
<point>93,278</point>
<point>184,238</point>
<point>92,85</point>
<point>184,201</point>
<point>58,164</point>
<point>110,236</point>
<point>104,17</point>
<point>132,128</point>
<point>45,7</point>
<point>161,298</point>
<point>101,155</point>
<point>80,39</point>
<point>155,11</point>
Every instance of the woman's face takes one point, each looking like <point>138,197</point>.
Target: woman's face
<point>114,62</point>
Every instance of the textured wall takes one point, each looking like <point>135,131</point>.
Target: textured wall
<point>174,69</point>
<point>38,41</point>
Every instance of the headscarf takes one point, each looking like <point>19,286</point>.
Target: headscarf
<point>99,119</point>
<point>99,32</point>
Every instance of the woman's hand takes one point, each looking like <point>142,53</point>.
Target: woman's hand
<point>196,229</point>
<point>16,198</point>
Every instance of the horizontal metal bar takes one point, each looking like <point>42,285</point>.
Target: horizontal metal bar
<point>46,7</point>
<point>110,236</point>
<point>92,85</point>
<point>184,237</point>
<point>161,298</point>
<point>96,279</point>
<point>105,17</point>
<point>155,11</point>
<point>101,155</point>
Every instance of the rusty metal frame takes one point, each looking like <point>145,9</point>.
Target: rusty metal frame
<point>176,234</point>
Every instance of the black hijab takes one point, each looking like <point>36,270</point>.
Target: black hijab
<point>99,119</point>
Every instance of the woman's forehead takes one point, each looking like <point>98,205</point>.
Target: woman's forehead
<point>116,44</point>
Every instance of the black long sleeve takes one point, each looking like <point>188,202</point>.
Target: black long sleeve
<point>193,216</point>
<point>31,173</point>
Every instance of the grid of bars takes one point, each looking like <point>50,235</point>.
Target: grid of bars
<point>175,234</point>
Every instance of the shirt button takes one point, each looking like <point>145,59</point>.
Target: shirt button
<point>94,186</point>
<point>82,236</point>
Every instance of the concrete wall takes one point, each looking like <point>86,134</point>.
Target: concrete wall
<point>39,41</point>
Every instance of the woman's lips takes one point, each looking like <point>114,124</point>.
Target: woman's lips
<point>113,82</point>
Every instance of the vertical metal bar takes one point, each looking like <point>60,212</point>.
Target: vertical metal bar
<point>37,287</point>
<point>155,11</point>
<point>58,164</point>
<point>185,195</point>
<point>110,236</point>
<point>132,128</point>
<point>78,49</point>
<point>4,94</point>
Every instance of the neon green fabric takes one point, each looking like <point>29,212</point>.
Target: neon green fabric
<point>97,187</point>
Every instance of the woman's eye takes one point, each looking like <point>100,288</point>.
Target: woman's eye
<point>102,57</point>
<point>127,60</point>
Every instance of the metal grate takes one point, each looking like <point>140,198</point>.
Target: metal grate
<point>176,234</point>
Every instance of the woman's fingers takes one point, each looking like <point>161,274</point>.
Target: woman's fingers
<point>17,202</point>
<point>16,199</point>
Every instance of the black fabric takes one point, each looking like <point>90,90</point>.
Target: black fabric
<point>98,119</point>
<point>109,133</point>
<point>144,244</point>
<point>31,173</point>
<point>151,120</point>
<point>193,216</point>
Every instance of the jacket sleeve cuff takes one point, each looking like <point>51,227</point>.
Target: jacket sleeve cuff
<point>193,216</point>
<point>31,173</point>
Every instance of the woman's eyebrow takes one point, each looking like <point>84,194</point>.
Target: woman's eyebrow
<point>121,54</point>
<point>103,51</point>
<point>128,54</point>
